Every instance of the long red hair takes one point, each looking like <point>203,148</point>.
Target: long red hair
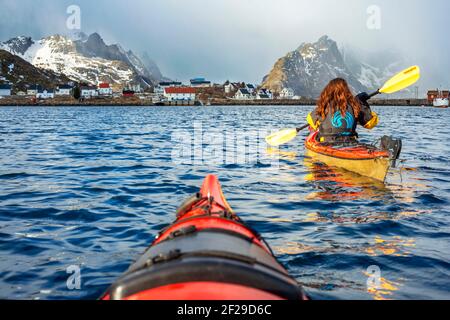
<point>337,96</point>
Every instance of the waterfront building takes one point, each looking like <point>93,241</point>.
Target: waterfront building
<point>33,90</point>
<point>231,87</point>
<point>5,90</point>
<point>159,89</point>
<point>264,94</point>
<point>180,94</point>
<point>64,90</point>
<point>287,93</point>
<point>127,93</point>
<point>434,94</point>
<point>250,88</point>
<point>104,89</point>
<point>45,94</point>
<point>88,92</point>
<point>243,94</point>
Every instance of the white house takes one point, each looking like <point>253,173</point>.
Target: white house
<point>45,94</point>
<point>243,94</point>
<point>264,94</point>
<point>230,87</point>
<point>287,93</point>
<point>33,90</point>
<point>64,90</point>
<point>104,89</point>
<point>5,90</point>
<point>89,92</point>
<point>179,94</point>
<point>250,88</point>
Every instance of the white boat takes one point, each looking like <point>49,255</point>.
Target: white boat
<point>441,103</point>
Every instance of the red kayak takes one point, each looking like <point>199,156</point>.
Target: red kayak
<point>208,253</point>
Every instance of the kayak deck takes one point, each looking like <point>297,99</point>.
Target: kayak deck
<point>359,158</point>
<point>208,253</point>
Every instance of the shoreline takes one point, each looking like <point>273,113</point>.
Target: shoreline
<point>136,102</point>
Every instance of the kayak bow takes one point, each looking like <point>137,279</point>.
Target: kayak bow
<point>363,159</point>
<point>207,254</point>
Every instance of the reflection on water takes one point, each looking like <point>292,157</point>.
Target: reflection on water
<point>379,201</point>
<point>385,290</point>
<point>335,184</point>
<point>396,246</point>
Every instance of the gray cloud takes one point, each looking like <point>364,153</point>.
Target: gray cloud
<point>241,39</point>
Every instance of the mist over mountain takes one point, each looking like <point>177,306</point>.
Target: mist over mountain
<point>309,68</point>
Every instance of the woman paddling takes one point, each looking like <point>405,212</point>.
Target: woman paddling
<point>338,113</point>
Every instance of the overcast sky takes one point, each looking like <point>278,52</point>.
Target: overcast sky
<point>241,39</point>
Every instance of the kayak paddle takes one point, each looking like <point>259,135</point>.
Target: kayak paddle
<point>284,136</point>
<point>400,81</point>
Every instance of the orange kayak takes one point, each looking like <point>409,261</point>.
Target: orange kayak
<point>363,159</point>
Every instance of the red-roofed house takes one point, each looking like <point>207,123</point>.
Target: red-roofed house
<point>104,89</point>
<point>180,93</point>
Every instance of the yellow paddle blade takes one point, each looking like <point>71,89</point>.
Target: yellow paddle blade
<point>402,80</point>
<point>281,137</point>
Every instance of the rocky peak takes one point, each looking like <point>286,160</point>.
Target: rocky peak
<point>18,45</point>
<point>95,40</point>
<point>309,68</point>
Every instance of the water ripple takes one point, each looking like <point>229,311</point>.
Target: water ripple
<point>91,187</point>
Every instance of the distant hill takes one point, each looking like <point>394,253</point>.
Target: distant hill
<point>20,73</point>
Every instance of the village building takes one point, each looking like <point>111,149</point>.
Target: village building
<point>287,93</point>
<point>231,87</point>
<point>243,94</point>
<point>33,90</point>
<point>128,93</point>
<point>5,90</point>
<point>88,92</point>
<point>180,94</point>
<point>250,88</point>
<point>45,94</point>
<point>434,94</point>
<point>104,89</point>
<point>264,94</point>
<point>64,90</point>
<point>159,89</point>
<point>200,83</point>
<point>136,88</point>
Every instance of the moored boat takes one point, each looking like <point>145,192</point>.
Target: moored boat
<point>441,103</point>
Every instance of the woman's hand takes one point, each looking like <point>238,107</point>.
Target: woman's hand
<point>363,97</point>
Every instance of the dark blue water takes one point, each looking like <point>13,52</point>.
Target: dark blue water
<point>91,187</point>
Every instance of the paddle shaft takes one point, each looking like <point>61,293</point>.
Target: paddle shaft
<point>302,128</point>
<point>374,94</point>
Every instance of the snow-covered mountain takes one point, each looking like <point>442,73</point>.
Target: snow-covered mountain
<point>84,59</point>
<point>15,70</point>
<point>308,69</point>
